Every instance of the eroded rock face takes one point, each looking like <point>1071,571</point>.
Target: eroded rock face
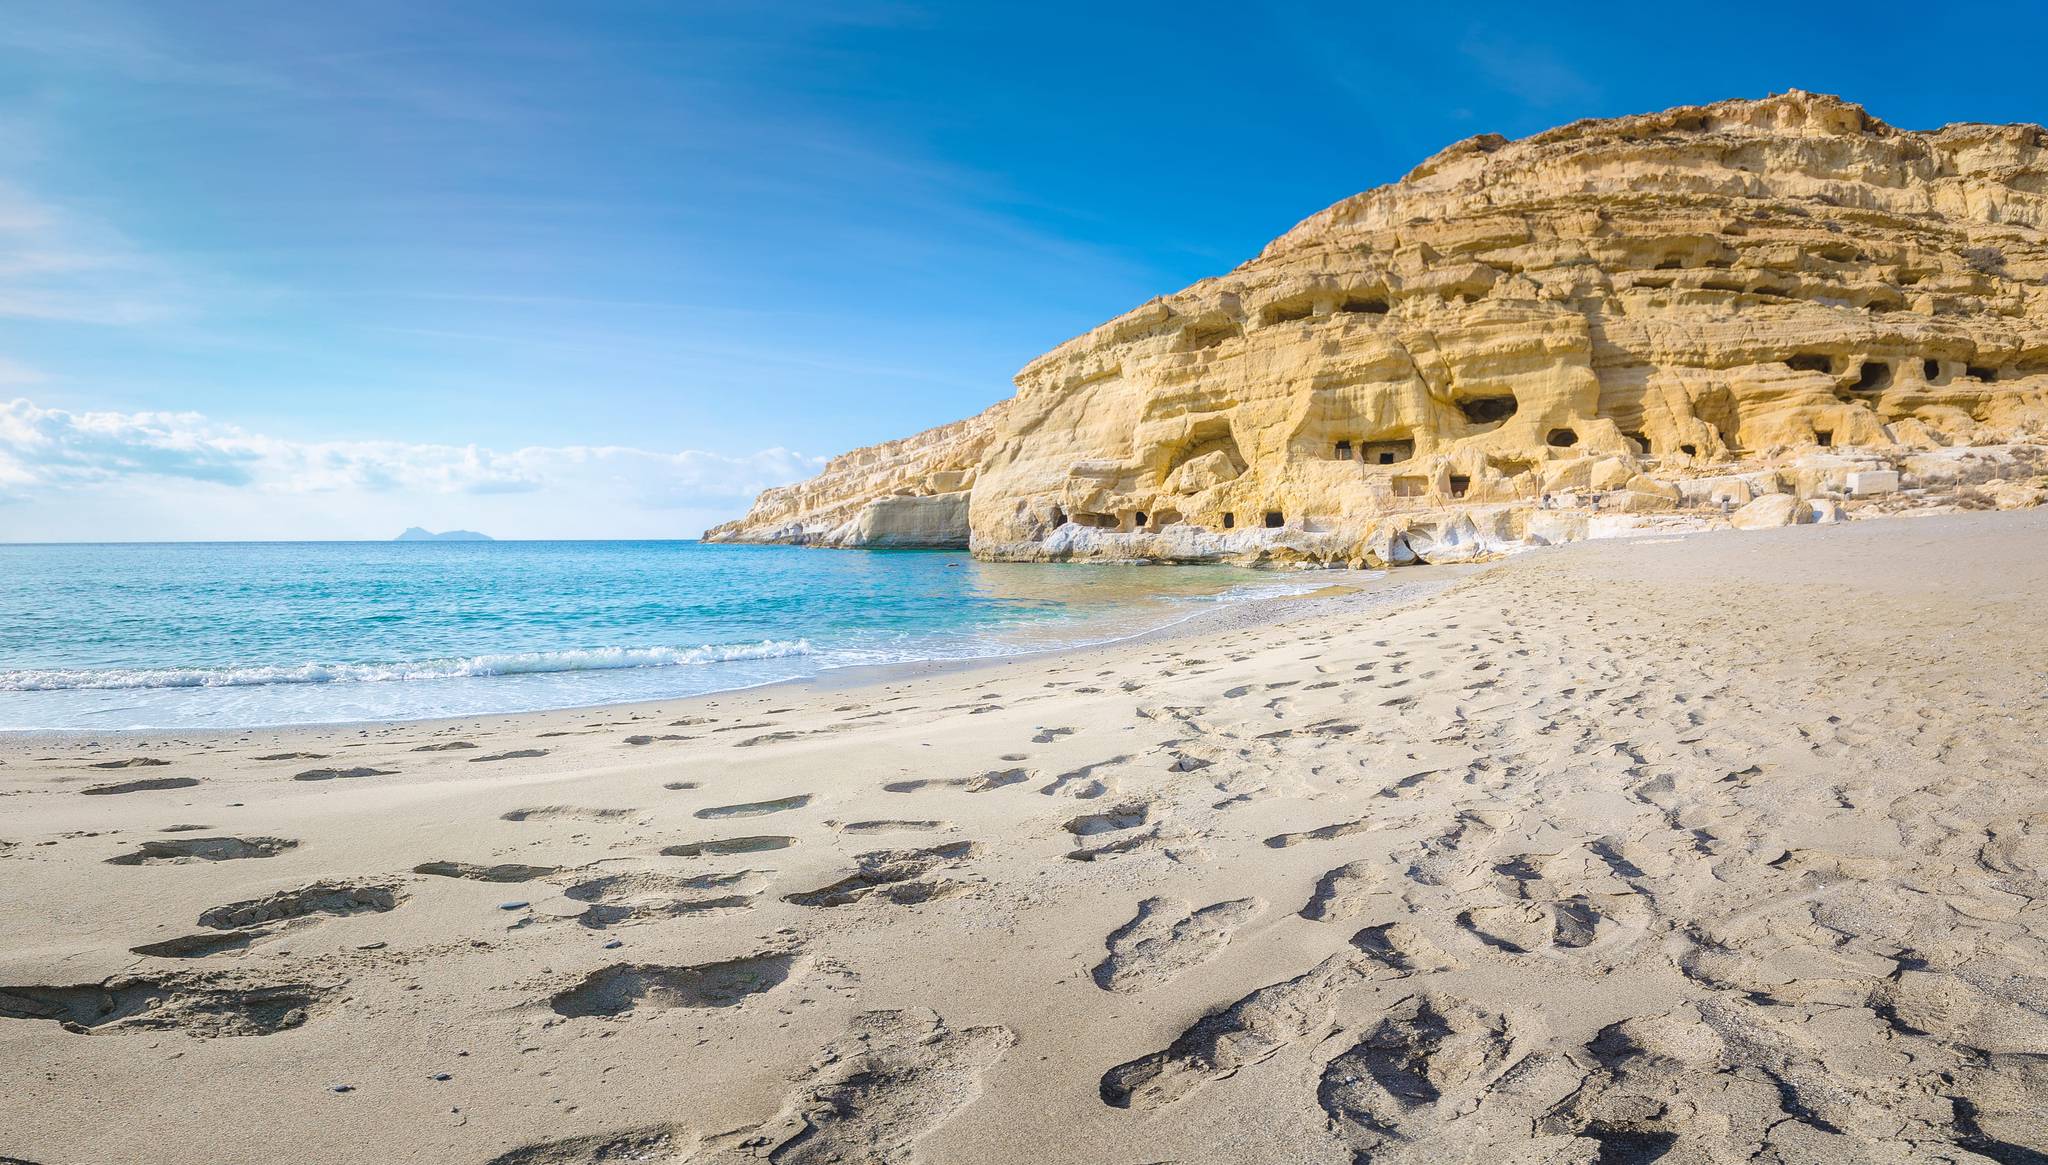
<point>911,492</point>
<point>1674,300</point>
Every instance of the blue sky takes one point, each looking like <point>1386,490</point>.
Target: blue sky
<point>603,269</point>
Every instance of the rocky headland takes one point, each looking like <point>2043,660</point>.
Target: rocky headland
<point>1751,313</point>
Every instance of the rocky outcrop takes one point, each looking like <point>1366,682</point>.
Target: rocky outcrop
<point>906,493</point>
<point>1609,325</point>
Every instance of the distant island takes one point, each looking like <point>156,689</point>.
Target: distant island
<point>415,534</point>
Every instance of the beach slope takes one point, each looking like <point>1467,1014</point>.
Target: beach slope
<point>1722,848</point>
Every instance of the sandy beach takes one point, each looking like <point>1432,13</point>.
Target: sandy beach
<point>1727,847</point>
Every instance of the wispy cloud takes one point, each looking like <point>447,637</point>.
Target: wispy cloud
<point>1531,72</point>
<point>46,451</point>
<point>57,265</point>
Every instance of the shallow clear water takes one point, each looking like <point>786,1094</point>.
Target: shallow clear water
<point>242,634</point>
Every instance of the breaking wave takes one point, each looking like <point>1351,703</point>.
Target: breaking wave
<point>510,664</point>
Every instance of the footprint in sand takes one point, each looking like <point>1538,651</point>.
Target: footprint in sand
<point>1342,990</point>
<point>515,754</point>
<point>1449,857</point>
<point>1048,735</point>
<point>980,784</point>
<point>1323,833</point>
<point>1401,949</point>
<point>1521,927</point>
<point>1082,784</point>
<point>566,813</point>
<point>872,1095</point>
<point>1174,845</point>
<point>896,876</point>
<point>646,895</point>
<point>292,756</point>
<point>1342,893</point>
<point>1129,816</point>
<point>327,898</point>
<point>502,872</point>
<point>753,808</point>
<point>656,1145</point>
<point>721,847</point>
<point>893,826</point>
<point>1383,1089</point>
<point>198,946</point>
<point>450,746</point>
<point>201,1006</point>
<point>628,987</point>
<point>146,785</point>
<point>133,762</point>
<point>342,774</point>
<point>203,849</point>
<point>1167,937</point>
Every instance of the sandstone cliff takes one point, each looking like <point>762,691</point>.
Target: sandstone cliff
<point>910,492</point>
<point>1530,341</point>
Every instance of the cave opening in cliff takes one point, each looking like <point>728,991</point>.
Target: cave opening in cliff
<point>1459,485</point>
<point>1230,521</point>
<point>1389,452</point>
<point>1275,520</point>
<point>1876,376</point>
<point>1343,450</point>
<point>1138,520</point>
<point>1810,362</point>
<point>1288,312</point>
<point>1207,334</point>
<point>1979,372</point>
<point>1209,435</point>
<point>1489,410</point>
<point>1364,306</point>
<point>1561,438</point>
<point>1931,369</point>
<point>1641,442</point>
<point>1824,437</point>
<point>1689,450</point>
<point>1059,517</point>
<point>1095,521</point>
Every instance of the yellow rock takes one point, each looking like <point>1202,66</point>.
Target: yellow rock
<point>1612,473</point>
<point>1636,501</point>
<point>1771,510</point>
<point>1702,292</point>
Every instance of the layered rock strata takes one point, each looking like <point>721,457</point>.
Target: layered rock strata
<point>1651,319</point>
<point>905,493</point>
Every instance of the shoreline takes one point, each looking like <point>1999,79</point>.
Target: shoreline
<point>1207,615</point>
<point>1725,843</point>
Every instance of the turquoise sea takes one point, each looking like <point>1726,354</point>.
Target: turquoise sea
<point>219,635</point>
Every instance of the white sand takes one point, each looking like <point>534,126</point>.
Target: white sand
<point>1728,848</point>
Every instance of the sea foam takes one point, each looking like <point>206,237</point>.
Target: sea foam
<point>506,664</point>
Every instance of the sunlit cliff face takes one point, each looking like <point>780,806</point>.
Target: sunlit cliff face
<point>1702,291</point>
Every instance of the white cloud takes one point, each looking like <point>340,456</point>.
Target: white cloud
<point>107,465</point>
